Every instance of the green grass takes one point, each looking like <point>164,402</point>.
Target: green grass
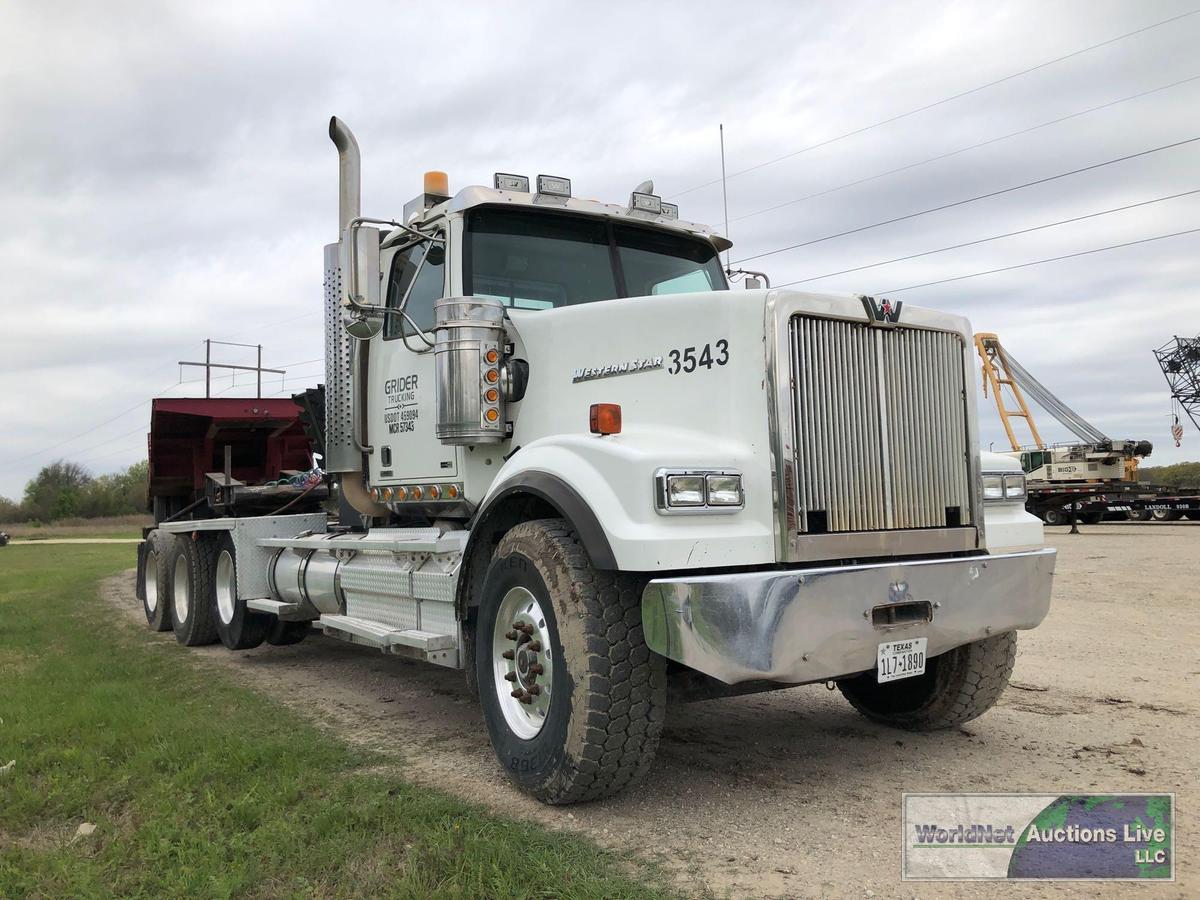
<point>202,788</point>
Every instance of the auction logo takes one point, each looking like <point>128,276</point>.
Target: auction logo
<point>1115,837</point>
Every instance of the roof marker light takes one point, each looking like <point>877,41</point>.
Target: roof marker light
<point>670,210</point>
<point>648,203</point>
<point>505,182</point>
<point>553,186</point>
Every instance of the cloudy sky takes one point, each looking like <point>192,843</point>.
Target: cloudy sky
<point>165,174</point>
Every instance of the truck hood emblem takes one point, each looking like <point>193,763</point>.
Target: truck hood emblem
<point>882,312</point>
<point>623,368</point>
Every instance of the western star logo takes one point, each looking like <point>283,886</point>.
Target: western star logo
<point>624,368</point>
<point>882,312</point>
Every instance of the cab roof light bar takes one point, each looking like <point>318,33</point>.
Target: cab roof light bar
<point>503,181</point>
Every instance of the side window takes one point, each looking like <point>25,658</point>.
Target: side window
<point>427,287</point>
<point>688,283</point>
<point>404,267</point>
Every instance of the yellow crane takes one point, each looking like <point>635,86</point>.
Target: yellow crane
<point>1096,458</point>
<point>996,373</point>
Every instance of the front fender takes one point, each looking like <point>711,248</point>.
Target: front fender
<point>613,477</point>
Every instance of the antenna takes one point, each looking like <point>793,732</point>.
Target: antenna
<point>724,191</point>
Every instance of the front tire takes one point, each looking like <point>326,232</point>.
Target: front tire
<point>957,686</point>
<point>191,562</point>
<point>567,641</point>
<point>237,627</point>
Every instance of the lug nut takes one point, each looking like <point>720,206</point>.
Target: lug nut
<point>508,654</point>
<point>536,669</point>
<point>512,635</point>
<point>510,676</point>
<point>535,689</point>
<point>534,646</point>
<point>526,697</point>
<point>518,693</point>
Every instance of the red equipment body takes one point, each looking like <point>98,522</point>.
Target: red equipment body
<point>188,437</point>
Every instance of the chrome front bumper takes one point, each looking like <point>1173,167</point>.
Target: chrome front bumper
<point>808,625</point>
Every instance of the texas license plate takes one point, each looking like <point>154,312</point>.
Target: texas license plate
<point>901,659</point>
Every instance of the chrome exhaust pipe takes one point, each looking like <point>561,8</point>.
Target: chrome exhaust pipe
<point>349,173</point>
<point>343,456</point>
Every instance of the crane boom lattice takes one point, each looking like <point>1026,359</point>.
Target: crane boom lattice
<point>1180,363</point>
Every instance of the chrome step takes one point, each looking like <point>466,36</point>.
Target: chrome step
<point>273,607</point>
<point>427,645</point>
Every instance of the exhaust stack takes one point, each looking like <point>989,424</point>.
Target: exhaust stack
<point>349,172</point>
<point>343,406</point>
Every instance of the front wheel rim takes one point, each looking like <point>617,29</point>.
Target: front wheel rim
<point>181,591</point>
<point>522,663</point>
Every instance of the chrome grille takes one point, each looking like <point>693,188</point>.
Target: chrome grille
<point>881,427</point>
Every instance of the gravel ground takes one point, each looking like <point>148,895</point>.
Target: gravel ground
<point>792,793</point>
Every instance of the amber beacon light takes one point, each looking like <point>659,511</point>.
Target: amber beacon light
<point>605,418</point>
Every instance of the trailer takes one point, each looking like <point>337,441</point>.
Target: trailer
<point>1091,504</point>
<point>571,463</point>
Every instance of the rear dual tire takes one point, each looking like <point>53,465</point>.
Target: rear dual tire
<point>1055,516</point>
<point>191,563</point>
<point>238,628</point>
<point>189,585</point>
<point>155,587</point>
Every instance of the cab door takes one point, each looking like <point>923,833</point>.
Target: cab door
<point>400,375</point>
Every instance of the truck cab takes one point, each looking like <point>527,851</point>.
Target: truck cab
<point>577,465</point>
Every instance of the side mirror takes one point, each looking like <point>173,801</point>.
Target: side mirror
<point>361,327</point>
<point>360,266</point>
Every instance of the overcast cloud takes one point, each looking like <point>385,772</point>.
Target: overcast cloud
<point>165,174</point>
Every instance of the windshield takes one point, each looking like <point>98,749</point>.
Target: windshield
<point>535,259</point>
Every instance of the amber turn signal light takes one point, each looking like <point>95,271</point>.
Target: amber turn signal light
<point>605,418</point>
<point>491,356</point>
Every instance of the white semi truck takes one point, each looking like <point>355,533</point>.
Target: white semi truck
<point>576,465</point>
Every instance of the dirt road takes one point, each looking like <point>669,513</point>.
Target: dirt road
<point>792,793</point>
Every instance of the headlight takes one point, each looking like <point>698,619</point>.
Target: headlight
<point>685,490</point>
<point>694,492</point>
<point>1014,487</point>
<point>1002,487</point>
<point>993,487</point>
<point>724,490</point>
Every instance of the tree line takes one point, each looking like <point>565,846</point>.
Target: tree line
<point>67,490</point>
<point>1181,475</point>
